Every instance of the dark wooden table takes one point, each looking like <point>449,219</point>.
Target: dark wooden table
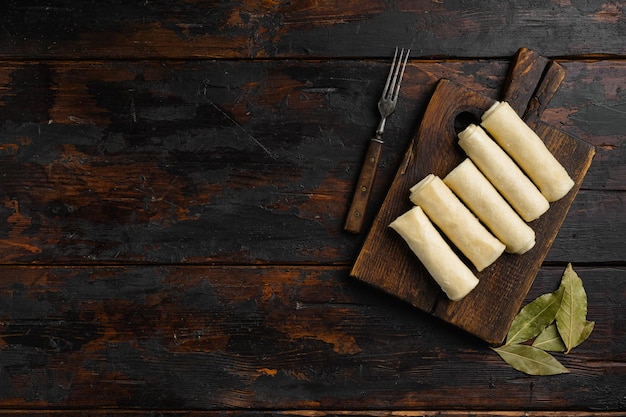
<point>174,178</point>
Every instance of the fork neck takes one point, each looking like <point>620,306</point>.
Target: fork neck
<point>381,129</point>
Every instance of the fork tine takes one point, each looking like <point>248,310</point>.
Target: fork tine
<point>395,67</point>
<point>391,70</point>
<point>396,87</point>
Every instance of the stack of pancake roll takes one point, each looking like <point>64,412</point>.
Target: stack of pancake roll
<point>483,206</point>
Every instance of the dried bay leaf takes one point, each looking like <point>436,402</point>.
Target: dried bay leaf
<point>587,329</point>
<point>534,317</point>
<point>557,321</point>
<point>571,318</point>
<point>550,340</point>
<point>530,360</point>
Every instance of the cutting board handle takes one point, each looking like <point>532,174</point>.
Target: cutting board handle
<point>531,83</point>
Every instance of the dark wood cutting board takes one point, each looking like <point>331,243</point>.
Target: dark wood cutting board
<point>386,262</point>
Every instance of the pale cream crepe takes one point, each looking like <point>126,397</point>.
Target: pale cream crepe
<point>456,221</point>
<point>528,150</point>
<point>471,186</point>
<point>503,173</point>
<point>452,275</point>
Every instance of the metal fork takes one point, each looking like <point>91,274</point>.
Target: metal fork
<point>386,106</point>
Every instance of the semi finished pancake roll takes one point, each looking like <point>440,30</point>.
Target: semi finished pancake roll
<point>503,173</point>
<point>528,150</point>
<point>452,275</point>
<point>456,221</point>
<point>471,186</point>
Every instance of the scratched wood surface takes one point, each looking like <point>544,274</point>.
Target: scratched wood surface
<point>309,28</point>
<point>249,162</point>
<point>174,178</point>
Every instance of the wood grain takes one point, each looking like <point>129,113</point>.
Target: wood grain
<point>361,197</point>
<point>94,173</point>
<point>313,29</point>
<point>174,178</point>
<point>524,77</point>
<point>548,86</point>
<point>239,338</point>
<point>329,413</point>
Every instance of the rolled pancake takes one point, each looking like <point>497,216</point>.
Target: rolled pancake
<point>528,150</point>
<point>452,275</point>
<point>456,221</point>
<point>503,173</point>
<point>471,186</point>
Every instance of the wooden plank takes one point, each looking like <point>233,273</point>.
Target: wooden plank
<point>254,162</point>
<point>228,29</point>
<point>118,162</point>
<point>592,214</point>
<point>316,413</point>
<point>274,338</point>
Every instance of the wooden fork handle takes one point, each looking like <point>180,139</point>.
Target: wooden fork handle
<point>356,214</point>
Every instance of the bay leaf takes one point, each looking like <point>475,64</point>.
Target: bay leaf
<point>550,340</point>
<point>587,329</point>
<point>571,317</point>
<point>534,317</point>
<point>530,360</point>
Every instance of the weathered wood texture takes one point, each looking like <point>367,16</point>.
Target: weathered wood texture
<point>275,338</point>
<point>174,177</point>
<point>249,162</point>
<point>319,413</point>
<point>306,28</point>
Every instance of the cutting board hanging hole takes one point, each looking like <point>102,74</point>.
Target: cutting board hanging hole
<point>464,119</point>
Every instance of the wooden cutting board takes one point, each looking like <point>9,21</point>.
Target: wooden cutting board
<point>386,262</point>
